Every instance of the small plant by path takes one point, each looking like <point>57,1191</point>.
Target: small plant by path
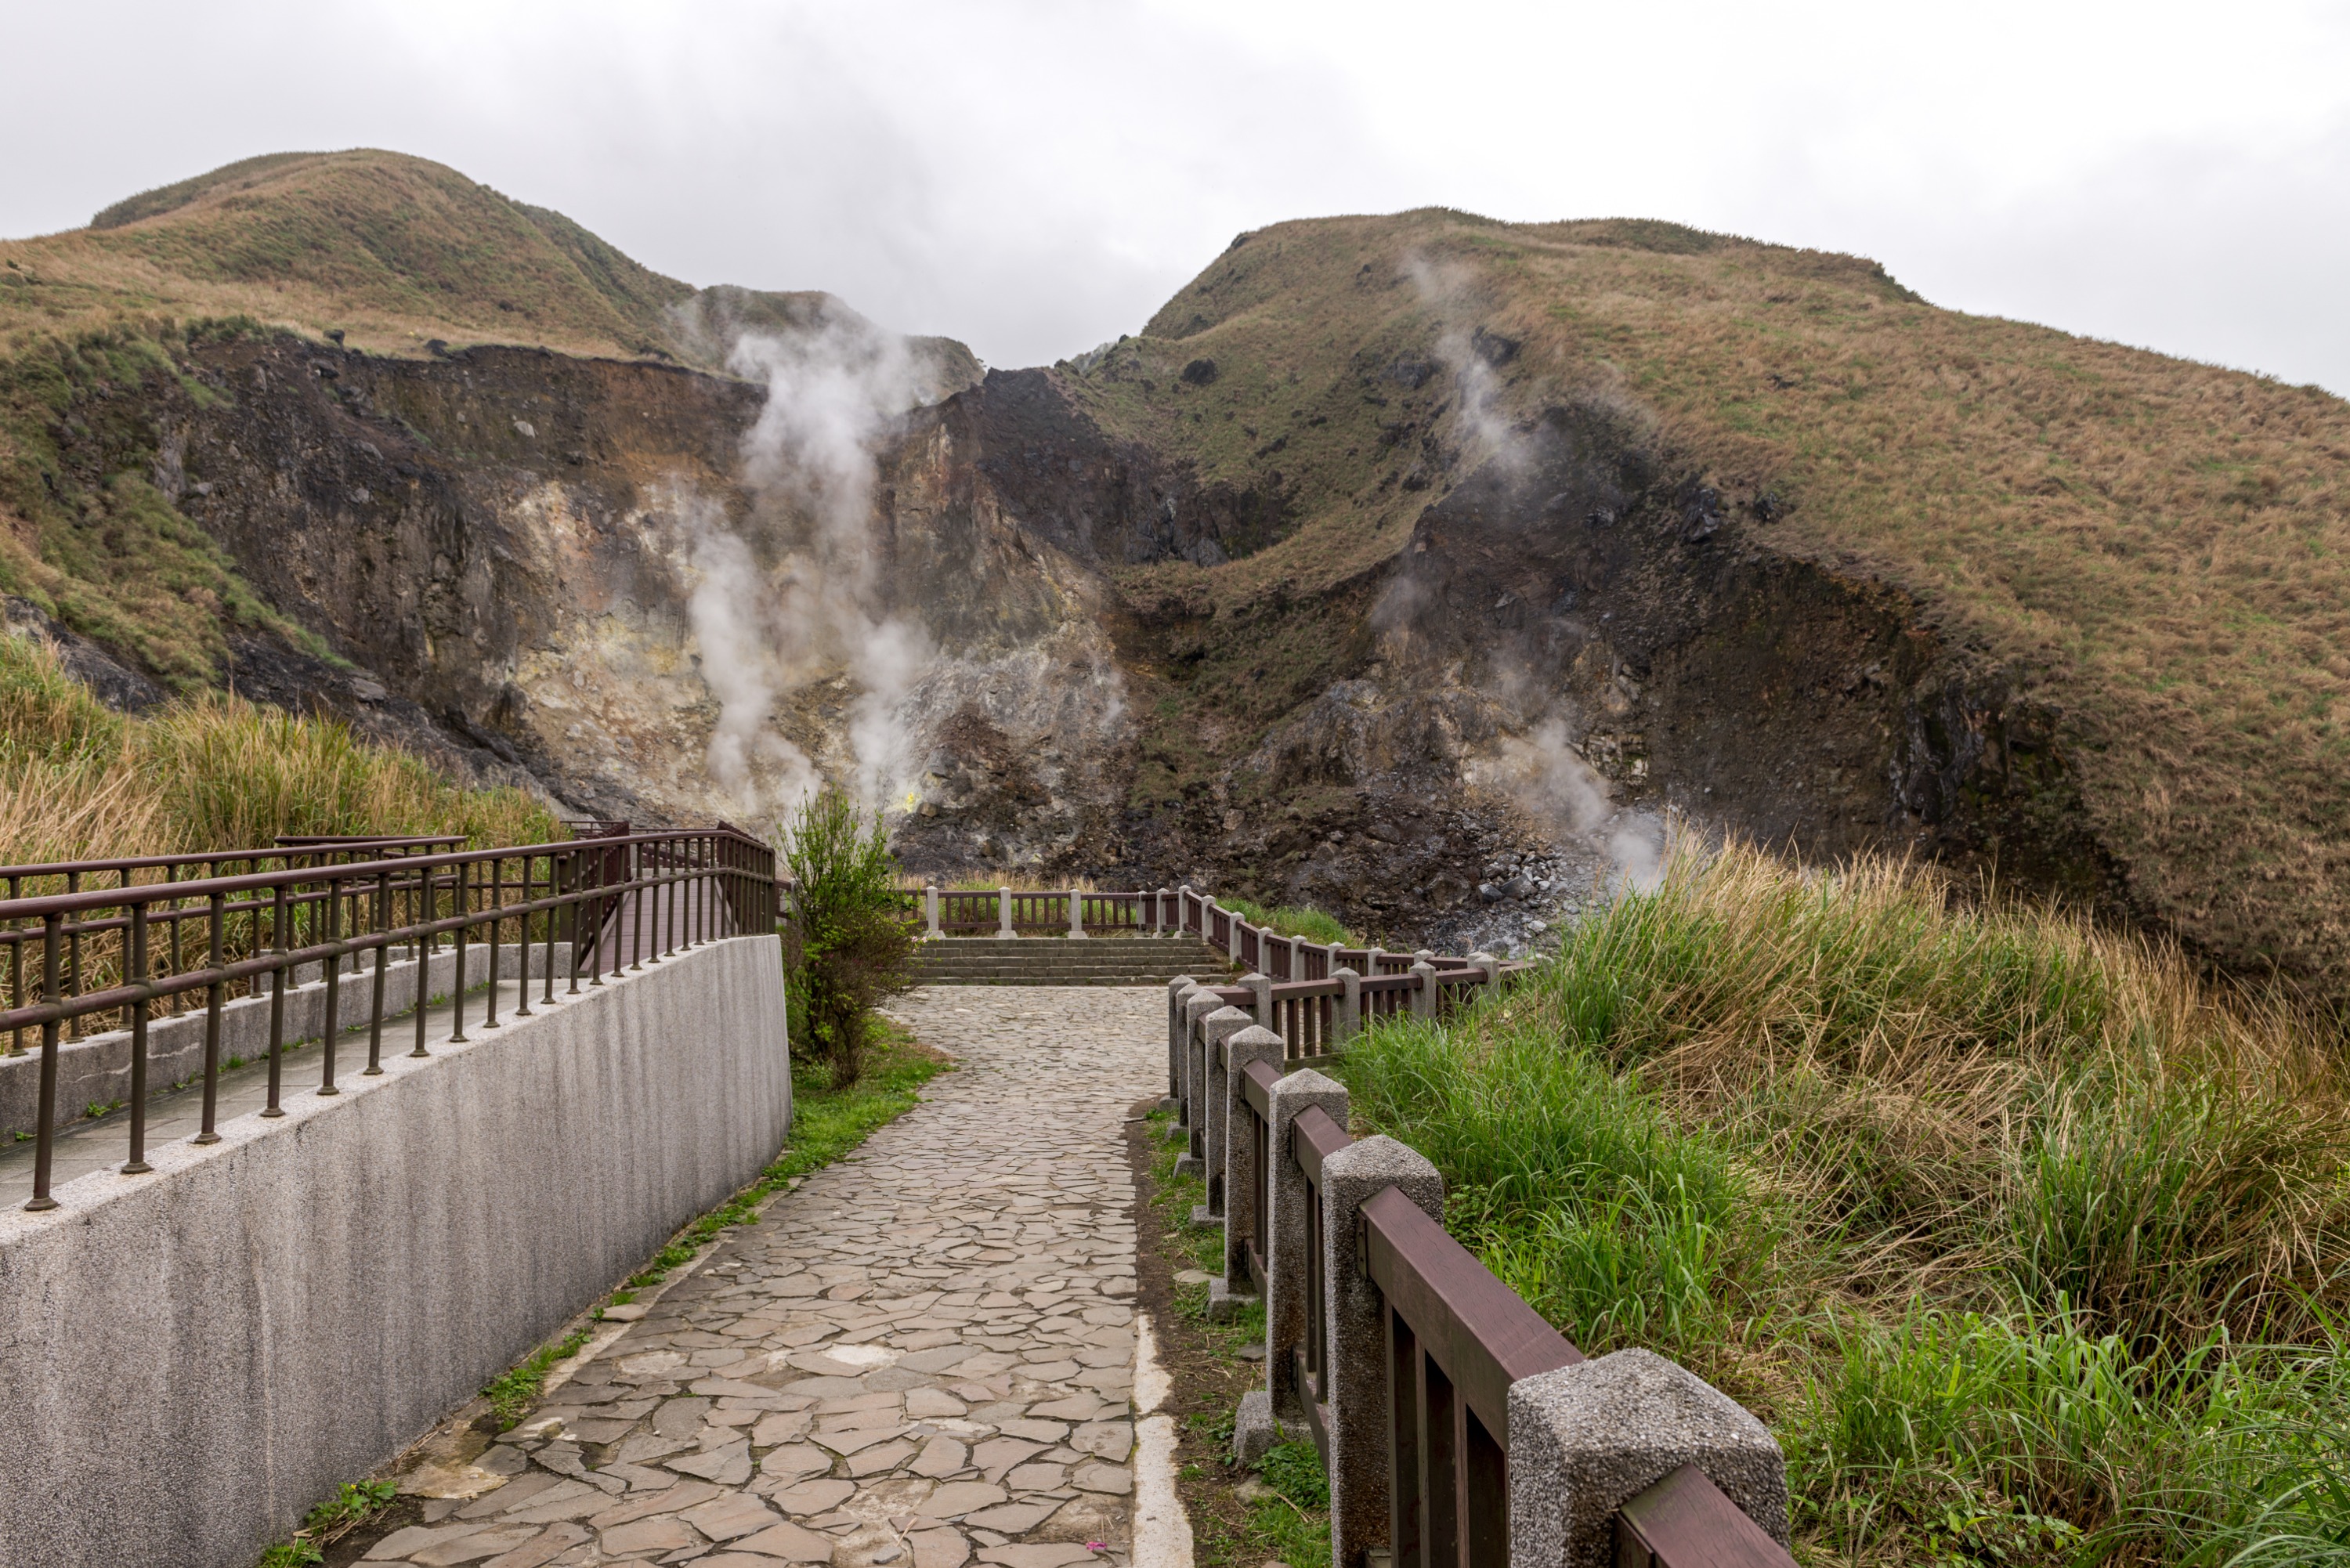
<point>354,1505</point>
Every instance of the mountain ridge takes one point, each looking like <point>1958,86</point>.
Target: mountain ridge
<point>1371,500</point>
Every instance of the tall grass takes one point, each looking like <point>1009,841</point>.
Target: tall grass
<point>2027,1238</point>
<point>78,781</point>
<point>1292,920</point>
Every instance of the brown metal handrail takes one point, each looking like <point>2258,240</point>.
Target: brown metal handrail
<point>695,884</point>
<point>1456,1337</point>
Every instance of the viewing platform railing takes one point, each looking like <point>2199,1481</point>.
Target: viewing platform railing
<point>79,954</point>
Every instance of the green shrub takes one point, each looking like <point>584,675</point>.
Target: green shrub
<point>851,946</point>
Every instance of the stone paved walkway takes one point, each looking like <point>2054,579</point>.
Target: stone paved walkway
<point>922,1356</point>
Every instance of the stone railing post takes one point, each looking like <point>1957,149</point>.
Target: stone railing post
<point>931,913</point>
<point>1194,1160</point>
<point>1371,960</point>
<point>1076,913</point>
<point>1587,1439</point>
<point>1242,1047</point>
<point>1179,991</point>
<point>1357,1359</point>
<point>1349,1020</point>
<point>1275,1413</point>
<point>1214,1029</point>
<point>1182,908</point>
<point>1492,967</point>
<point>1004,913</point>
<point>1157,897</point>
<point>1263,1006</point>
<point>1423,1000</point>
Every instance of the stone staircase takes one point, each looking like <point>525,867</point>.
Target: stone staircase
<point>1063,960</point>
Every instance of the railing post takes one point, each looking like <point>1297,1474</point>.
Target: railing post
<point>931,913</point>
<point>1239,1048</point>
<point>1004,913</point>
<point>1158,911</point>
<point>1214,1029</point>
<point>1234,927</point>
<point>1263,1006</point>
<point>1349,1021</point>
<point>1276,1413</point>
<point>1193,1160</point>
<point>1179,991</point>
<point>1076,913</point>
<point>1492,968</point>
<point>1584,1440</point>
<point>1357,1355</point>
<point>1423,997</point>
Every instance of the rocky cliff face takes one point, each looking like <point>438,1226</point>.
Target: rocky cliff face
<point>551,570</point>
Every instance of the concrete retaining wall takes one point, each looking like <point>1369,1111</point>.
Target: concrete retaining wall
<point>98,1070</point>
<point>189,1360</point>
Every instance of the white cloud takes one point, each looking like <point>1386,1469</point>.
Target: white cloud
<point>1034,177</point>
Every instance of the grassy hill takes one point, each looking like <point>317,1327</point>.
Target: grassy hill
<point>393,252</point>
<point>2159,548</point>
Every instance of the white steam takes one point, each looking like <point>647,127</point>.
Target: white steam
<point>811,611</point>
<point>1449,292</point>
<point>1548,779</point>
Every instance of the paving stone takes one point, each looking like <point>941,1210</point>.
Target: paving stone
<point>1036,1555</point>
<point>939,1547</point>
<point>724,1518</point>
<point>812,1497</point>
<point>940,1457</point>
<point>1114,1479</point>
<point>953,1299</point>
<point>399,1543</point>
<point>956,1499</point>
<point>473,1548</point>
<point>1036,1478</point>
<point>1011,1518</point>
<point>874,1461</point>
<point>791,1543</point>
<point>541,1548</point>
<point>665,1532</point>
<point>1104,1440</point>
<point>683,1495</point>
<point>729,1466</point>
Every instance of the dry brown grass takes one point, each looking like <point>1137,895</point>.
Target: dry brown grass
<point>2162,549</point>
<point>77,782</point>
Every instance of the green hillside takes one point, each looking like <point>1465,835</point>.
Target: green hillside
<point>394,251</point>
<point>2160,548</point>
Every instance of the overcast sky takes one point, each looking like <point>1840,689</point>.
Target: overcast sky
<point>1037,177</point>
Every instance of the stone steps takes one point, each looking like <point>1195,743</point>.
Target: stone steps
<point>1063,961</point>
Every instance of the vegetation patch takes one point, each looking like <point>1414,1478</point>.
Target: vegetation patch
<point>2027,1242</point>
<point>1277,1510</point>
<point>1292,920</point>
<point>210,772</point>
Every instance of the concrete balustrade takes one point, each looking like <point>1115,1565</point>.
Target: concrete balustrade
<point>1627,1447</point>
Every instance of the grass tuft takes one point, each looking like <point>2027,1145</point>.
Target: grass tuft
<point>2030,1242</point>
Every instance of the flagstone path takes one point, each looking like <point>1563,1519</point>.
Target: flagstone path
<point>922,1358</point>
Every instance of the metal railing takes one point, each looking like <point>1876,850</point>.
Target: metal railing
<point>91,954</point>
<point>589,906</point>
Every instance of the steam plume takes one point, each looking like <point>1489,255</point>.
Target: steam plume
<point>813,608</point>
<point>1544,775</point>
